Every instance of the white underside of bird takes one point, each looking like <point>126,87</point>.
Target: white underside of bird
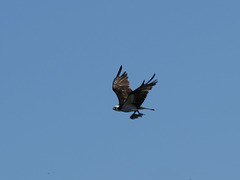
<point>127,108</point>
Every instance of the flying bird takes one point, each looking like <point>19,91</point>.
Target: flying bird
<point>131,100</point>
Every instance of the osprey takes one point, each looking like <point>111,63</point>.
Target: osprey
<point>131,100</point>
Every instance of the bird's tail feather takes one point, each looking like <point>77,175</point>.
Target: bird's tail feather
<point>147,108</point>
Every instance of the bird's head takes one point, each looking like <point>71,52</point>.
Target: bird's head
<point>116,108</point>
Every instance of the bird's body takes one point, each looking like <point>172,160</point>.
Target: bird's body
<point>124,108</point>
<point>131,100</point>
<point>128,108</point>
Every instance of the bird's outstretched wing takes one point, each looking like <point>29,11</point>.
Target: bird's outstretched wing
<point>138,96</point>
<point>121,86</point>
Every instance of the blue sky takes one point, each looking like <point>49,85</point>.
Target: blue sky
<point>57,63</point>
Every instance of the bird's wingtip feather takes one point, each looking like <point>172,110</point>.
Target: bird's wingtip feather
<point>119,71</point>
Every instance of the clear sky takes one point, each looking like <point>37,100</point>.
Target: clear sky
<point>57,63</point>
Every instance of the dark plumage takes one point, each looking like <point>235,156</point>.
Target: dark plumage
<point>131,100</point>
